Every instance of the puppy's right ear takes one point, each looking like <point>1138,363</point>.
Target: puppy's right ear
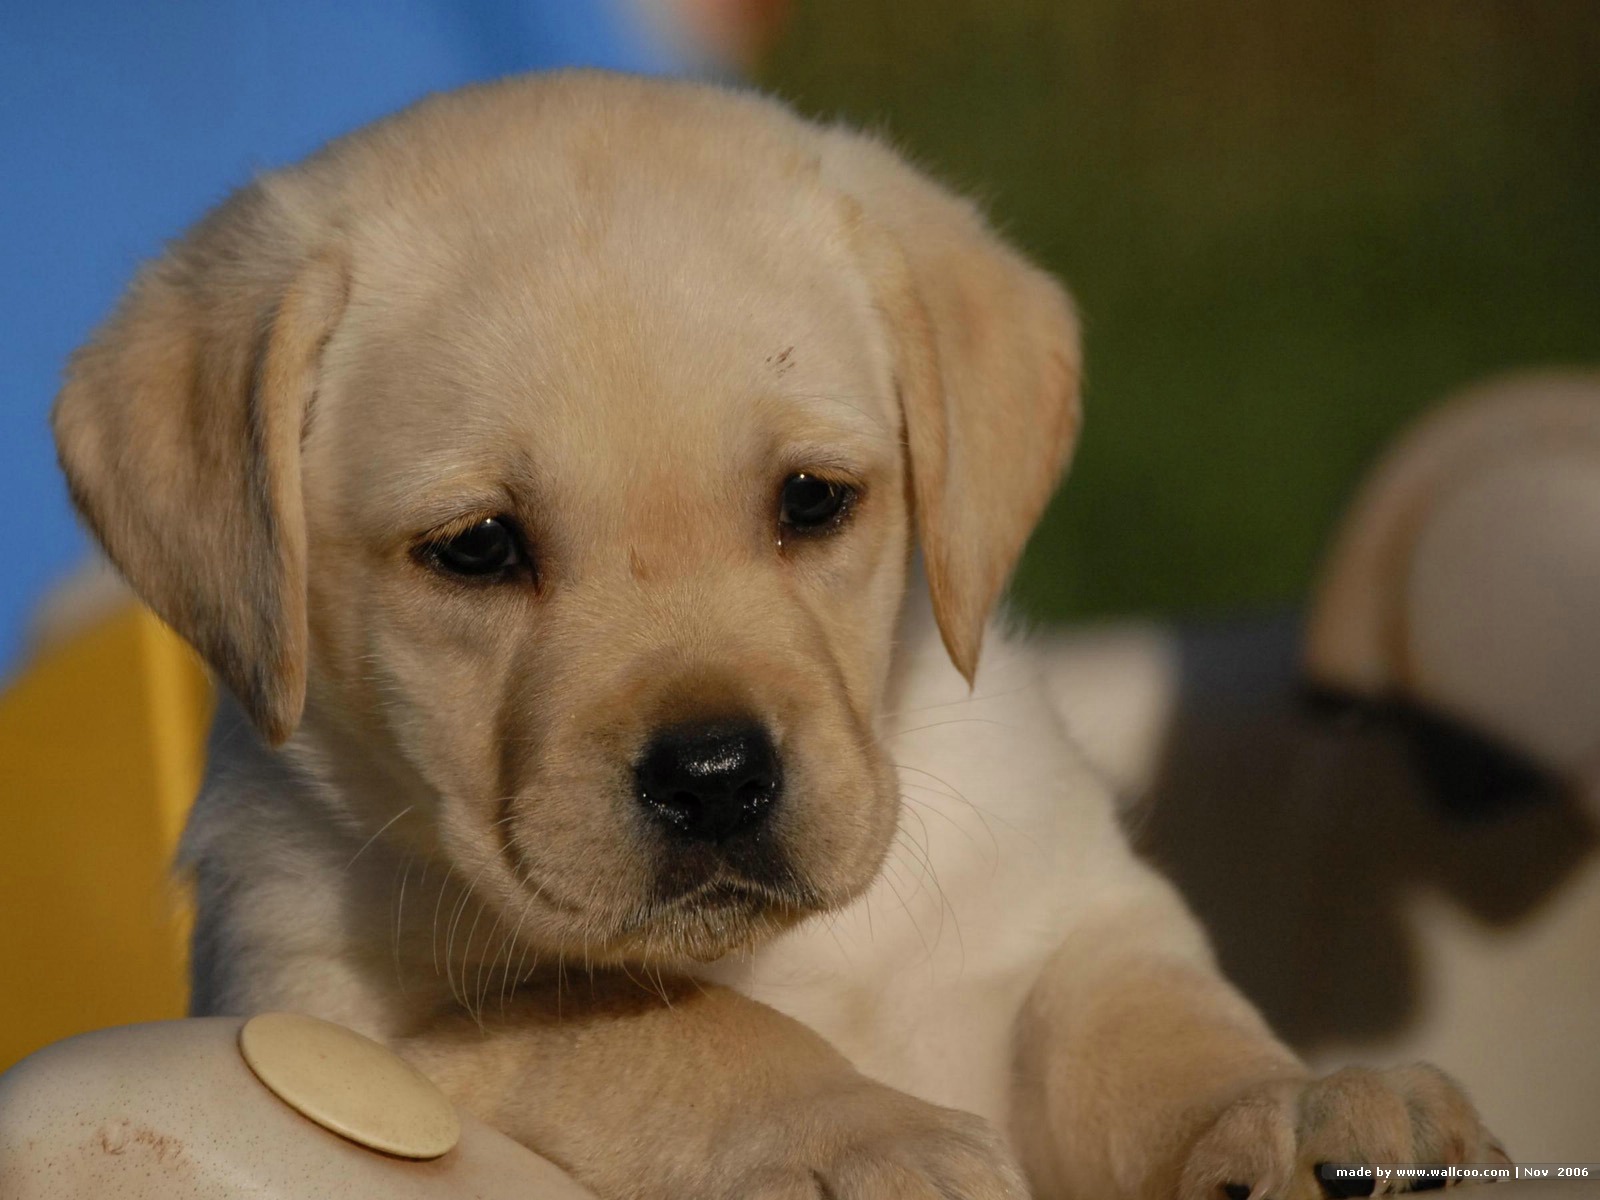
<point>179,429</point>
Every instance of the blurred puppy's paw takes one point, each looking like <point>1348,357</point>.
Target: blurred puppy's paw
<point>1273,1142</point>
<point>868,1142</point>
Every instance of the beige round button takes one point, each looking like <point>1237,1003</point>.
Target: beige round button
<point>349,1084</point>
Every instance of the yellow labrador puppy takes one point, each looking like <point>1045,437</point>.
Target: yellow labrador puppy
<point>541,470</point>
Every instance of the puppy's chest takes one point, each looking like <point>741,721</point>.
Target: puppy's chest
<point>921,1021</point>
<point>920,980</point>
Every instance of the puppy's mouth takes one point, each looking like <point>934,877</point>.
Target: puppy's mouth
<point>733,895</point>
<point>716,916</point>
<point>760,866</point>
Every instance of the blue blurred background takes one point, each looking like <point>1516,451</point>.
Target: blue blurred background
<point>1291,225</point>
<point>120,123</point>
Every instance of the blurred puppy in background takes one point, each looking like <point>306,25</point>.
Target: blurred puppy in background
<point>541,470</point>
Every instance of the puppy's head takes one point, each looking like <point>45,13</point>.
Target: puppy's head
<point>544,464</point>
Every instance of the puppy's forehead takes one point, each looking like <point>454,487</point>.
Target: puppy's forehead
<point>669,319</point>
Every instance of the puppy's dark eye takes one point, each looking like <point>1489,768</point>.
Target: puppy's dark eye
<point>808,504</point>
<point>491,547</point>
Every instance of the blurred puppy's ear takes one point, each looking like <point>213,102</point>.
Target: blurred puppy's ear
<point>987,364</point>
<point>179,430</point>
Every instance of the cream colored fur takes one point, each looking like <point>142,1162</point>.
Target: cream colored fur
<point>621,313</point>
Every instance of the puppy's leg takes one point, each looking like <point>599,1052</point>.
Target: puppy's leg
<point>699,1092</point>
<point>1142,1073</point>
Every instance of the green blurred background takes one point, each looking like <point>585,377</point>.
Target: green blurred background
<point>1290,225</point>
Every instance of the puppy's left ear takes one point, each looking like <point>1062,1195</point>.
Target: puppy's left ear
<point>987,364</point>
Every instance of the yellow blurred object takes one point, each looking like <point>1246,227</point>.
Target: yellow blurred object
<point>102,745</point>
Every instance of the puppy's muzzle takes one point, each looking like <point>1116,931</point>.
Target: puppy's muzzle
<point>710,783</point>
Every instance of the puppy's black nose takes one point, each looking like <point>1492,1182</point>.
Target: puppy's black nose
<point>709,782</point>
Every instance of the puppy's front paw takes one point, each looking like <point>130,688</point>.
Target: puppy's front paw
<point>1270,1143</point>
<point>868,1142</point>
